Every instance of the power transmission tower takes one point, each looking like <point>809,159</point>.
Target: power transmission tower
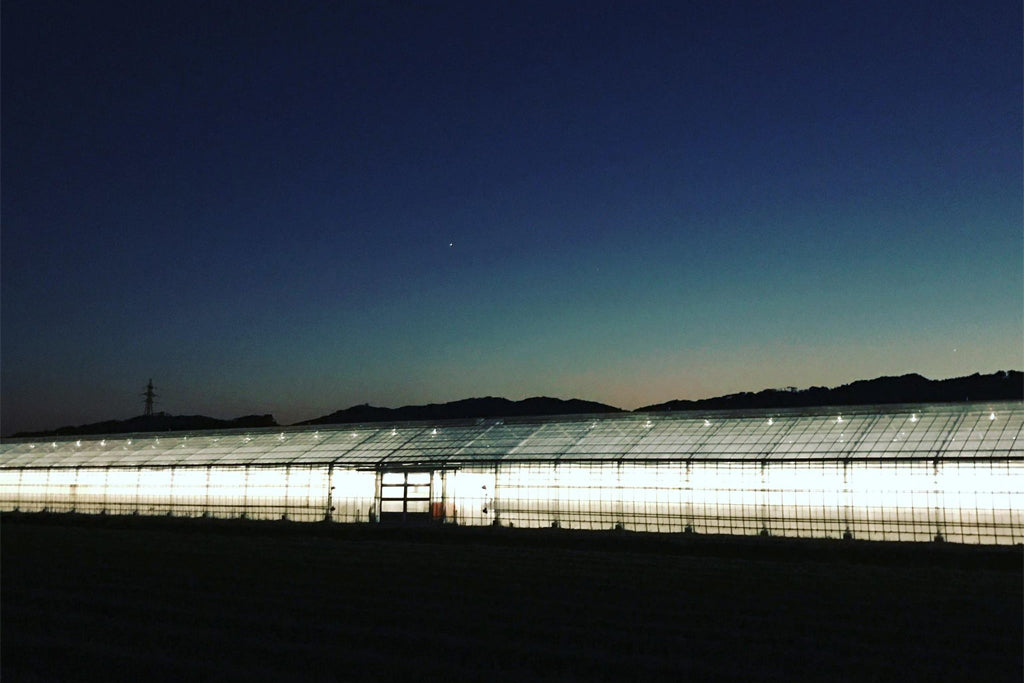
<point>149,398</point>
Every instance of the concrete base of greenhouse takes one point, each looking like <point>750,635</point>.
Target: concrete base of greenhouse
<point>619,540</point>
<point>1008,532</point>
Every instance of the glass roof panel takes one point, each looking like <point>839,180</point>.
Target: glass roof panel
<point>496,441</point>
<point>967,430</point>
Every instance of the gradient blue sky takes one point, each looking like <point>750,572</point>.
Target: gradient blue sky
<point>252,202</point>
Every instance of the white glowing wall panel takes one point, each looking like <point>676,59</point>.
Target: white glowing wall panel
<point>970,502</point>
<point>353,498</point>
<point>302,494</point>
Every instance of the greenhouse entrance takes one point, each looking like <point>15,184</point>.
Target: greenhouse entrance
<point>405,497</point>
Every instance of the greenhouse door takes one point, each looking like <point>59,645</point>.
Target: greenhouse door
<point>405,497</point>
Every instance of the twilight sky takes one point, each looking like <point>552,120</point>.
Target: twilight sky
<point>293,207</point>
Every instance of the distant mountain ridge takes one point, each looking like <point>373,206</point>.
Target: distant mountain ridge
<point>488,406</point>
<point>913,388</point>
<point>910,388</point>
<point>160,422</point>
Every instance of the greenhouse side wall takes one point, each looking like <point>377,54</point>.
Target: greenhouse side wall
<point>960,501</point>
<point>299,493</point>
<point>965,501</point>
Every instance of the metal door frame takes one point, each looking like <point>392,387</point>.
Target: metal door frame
<point>400,492</point>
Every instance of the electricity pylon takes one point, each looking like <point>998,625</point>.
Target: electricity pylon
<point>149,398</point>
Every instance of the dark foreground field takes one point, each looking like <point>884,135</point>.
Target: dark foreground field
<point>162,599</point>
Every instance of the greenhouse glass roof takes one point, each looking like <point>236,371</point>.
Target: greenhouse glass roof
<point>892,432</point>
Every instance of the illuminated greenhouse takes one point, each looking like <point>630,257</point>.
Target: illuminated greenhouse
<point>951,472</point>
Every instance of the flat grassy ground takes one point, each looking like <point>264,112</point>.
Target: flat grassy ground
<point>93,598</point>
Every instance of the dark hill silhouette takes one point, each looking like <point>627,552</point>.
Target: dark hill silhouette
<point>160,422</point>
<point>913,388</point>
<point>466,408</point>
